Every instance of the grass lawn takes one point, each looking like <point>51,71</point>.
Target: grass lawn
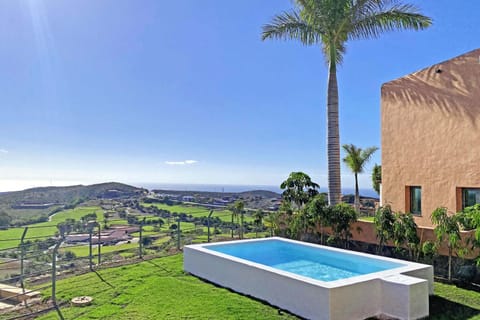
<point>83,251</point>
<point>196,211</point>
<point>158,289</point>
<point>369,219</point>
<point>44,229</point>
<point>451,302</point>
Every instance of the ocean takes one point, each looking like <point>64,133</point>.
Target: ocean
<point>236,188</point>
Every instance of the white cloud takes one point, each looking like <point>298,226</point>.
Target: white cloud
<point>180,163</point>
<point>3,151</point>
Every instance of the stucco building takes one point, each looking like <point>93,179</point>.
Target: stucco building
<point>431,138</point>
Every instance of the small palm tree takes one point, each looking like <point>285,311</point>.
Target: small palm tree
<point>257,220</point>
<point>237,209</point>
<point>331,24</point>
<point>356,159</point>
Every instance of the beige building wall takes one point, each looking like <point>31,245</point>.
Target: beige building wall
<point>431,135</point>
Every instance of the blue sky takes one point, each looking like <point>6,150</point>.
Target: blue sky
<point>118,90</point>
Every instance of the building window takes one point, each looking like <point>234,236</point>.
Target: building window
<point>416,200</point>
<point>470,197</point>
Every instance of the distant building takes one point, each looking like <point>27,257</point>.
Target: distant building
<point>33,205</point>
<point>221,202</point>
<point>430,138</point>
<point>111,235</point>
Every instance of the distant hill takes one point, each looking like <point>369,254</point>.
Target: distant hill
<point>45,196</point>
<point>245,194</point>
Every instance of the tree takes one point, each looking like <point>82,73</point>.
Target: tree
<point>106,215</point>
<point>69,255</point>
<point>298,189</point>
<point>5,220</point>
<point>470,219</point>
<point>405,234</point>
<point>237,209</point>
<point>318,209</point>
<point>331,24</point>
<point>384,224</point>
<point>271,221</point>
<point>447,226</point>
<point>341,216</point>
<point>376,177</point>
<point>356,159</point>
<point>257,220</point>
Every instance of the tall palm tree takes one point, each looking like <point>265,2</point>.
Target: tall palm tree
<point>331,24</point>
<point>356,159</point>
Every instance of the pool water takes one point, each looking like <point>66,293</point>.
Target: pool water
<point>313,262</point>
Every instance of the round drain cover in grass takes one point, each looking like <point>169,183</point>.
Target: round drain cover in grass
<point>81,301</point>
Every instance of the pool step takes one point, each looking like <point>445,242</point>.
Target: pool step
<point>404,297</point>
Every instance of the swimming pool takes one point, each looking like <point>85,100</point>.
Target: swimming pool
<point>313,262</point>
<point>313,281</point>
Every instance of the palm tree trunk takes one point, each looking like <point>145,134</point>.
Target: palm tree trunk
<point>333,136</point>
<point>357,194</point>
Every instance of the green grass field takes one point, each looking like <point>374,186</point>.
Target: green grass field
<point>368,219</point>
<point>11,238</point>
<point>83,251</point>
<point>195,211</point>
<point>156,289</point>
<point>159,289</point>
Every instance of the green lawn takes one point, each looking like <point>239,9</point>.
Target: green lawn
<point>159,289</point>
<point>156,289</point>
<point>83,251</point>
<point>44,229</point>
<point>369,219</point>
<point>195,211</point>
<point>451,302</point>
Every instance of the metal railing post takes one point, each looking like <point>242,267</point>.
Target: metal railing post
<point>54,278</point>
<point>90,249</point>
<point>22,259</point>
<point>99,245</point>
<point>178,234</point>
<point>208,224</point>
<point>140,240</point>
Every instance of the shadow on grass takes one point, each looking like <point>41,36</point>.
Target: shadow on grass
<point>159,267</point>
<point>103,280</point>
<point>441,308</point>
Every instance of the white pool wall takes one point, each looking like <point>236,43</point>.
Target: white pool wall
<point>357,297</point>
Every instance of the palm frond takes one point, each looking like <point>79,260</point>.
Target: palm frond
<point>379,16</point>
<point>289,25</point>
<point>367,153</point>
<point>356,158</point>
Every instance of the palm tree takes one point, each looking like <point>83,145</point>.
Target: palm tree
<point>331,24</point>
<point>237,209</point>
<point>257,220</point>
<point>356,159</point>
